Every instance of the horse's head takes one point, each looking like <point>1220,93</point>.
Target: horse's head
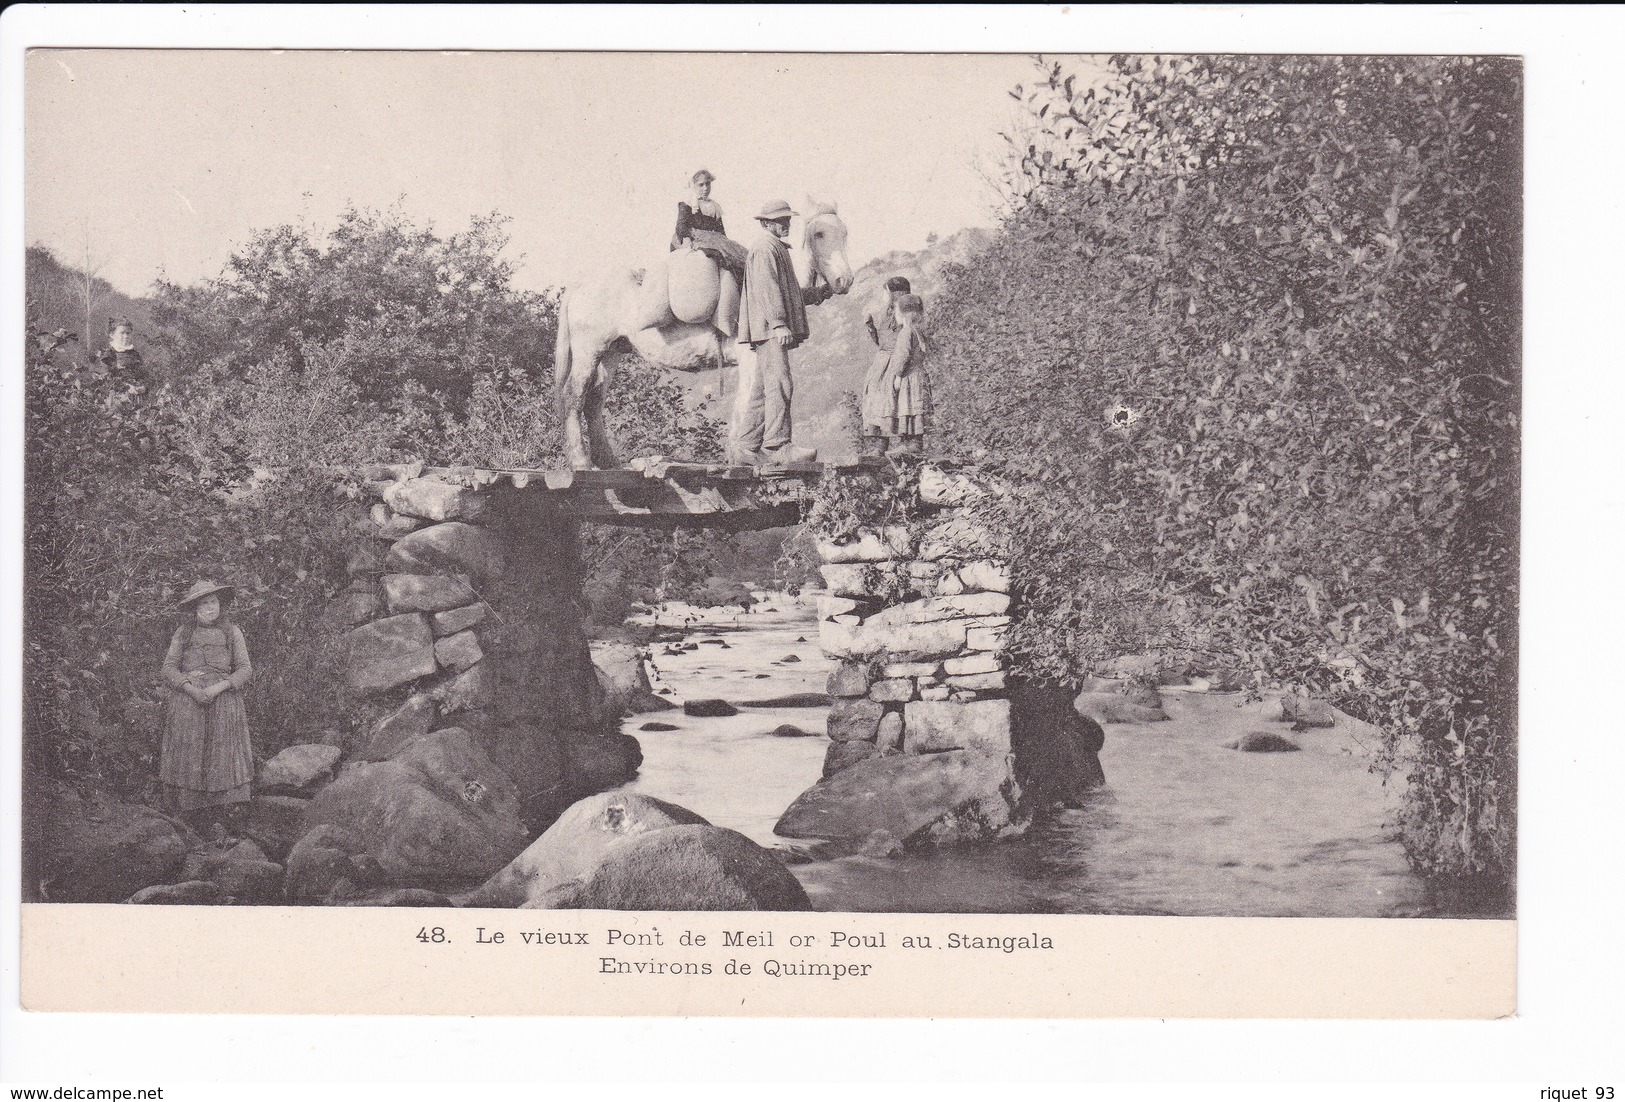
<point>825,242</point>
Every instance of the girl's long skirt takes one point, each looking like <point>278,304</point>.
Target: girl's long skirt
<point>905,411</point>
<point>878,406</point>
<point>206,758</point>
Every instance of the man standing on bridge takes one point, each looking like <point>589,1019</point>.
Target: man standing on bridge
<point>772,321</point>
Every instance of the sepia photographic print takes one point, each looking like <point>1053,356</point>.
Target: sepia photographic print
<point>771,532</point>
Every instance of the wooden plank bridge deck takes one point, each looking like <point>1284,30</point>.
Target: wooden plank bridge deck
<point>659,493</point>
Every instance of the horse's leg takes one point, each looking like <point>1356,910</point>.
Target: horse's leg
<point>573,386</point>
<point>582,400</point>
<point>603,449</point>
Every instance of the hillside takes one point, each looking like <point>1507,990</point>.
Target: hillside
<point>832,362</point>
<point>57,299</point>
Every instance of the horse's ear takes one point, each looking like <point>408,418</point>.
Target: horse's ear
<point>818,206</point>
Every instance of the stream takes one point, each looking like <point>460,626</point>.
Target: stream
<point>1183,826</point>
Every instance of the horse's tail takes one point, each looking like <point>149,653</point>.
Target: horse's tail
<point>562,356</point>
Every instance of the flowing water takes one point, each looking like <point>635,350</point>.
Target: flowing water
<point>1183,826</point>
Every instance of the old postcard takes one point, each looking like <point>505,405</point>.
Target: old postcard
<point>614,533</point>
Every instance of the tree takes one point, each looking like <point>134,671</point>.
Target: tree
<point>302,362</point>
<point>412,318</point>
<point>1256,335</point>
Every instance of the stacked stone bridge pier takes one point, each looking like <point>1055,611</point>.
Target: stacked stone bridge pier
<point>465,641</point>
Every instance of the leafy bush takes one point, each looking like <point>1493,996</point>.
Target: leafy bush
<point>132,495</point>
<point>302,362</point>
<point>1249,350</point>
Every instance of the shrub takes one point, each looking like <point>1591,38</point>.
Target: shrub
<point>1248,349</point>
<point>301,362</point>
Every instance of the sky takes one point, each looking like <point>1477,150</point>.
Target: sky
<point>164,160</point>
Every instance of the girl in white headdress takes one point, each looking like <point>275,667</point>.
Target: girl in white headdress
<point>699,223</point>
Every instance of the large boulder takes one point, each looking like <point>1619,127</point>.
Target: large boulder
<point>1262,742</point>
<point>1057,750</point>
<point>327,864</point>
<point>298,768</point>
<point>390,652</point>
<point>449,548</point>
<point>251,882</point>
<point>603,762</point>
<point>619,667</point>
<point>394,729</point>
<point>1115,707</point>
<point>439,811</point>
<point>942,798</point>
<point>709,708</point>
<point>94,849</point>
<point>426,593</point>
<point>687,868</point>
<point>434,500</point>
<point>275,823</point>
<point>573,846</point>
<point>839,755</point>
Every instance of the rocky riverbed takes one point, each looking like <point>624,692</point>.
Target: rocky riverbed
<point>1185,825</point>
<point>1212,805</point>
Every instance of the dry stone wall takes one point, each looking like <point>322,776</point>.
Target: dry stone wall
<point>932,739</point>
<point>464,611</point>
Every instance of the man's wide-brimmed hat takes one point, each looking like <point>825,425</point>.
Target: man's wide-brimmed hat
<point>701,176</point>
<point>205,588</point>
<point>775,210</point>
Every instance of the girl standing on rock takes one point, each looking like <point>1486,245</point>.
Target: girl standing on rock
<point>207,766</point>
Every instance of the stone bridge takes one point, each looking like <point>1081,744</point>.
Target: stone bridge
<point>465,625</point>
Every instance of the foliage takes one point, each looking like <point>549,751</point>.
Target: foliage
<point>841,506</point>
<point>1248,349</point>
<point>58,297</point>
<point>414,319</point>
<point>132,495</point>
<point>301,362</point>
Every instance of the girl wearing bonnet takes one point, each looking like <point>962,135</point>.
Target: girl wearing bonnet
<point>207,765</point>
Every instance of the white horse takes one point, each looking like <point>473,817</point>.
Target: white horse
<point>634,308</point>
